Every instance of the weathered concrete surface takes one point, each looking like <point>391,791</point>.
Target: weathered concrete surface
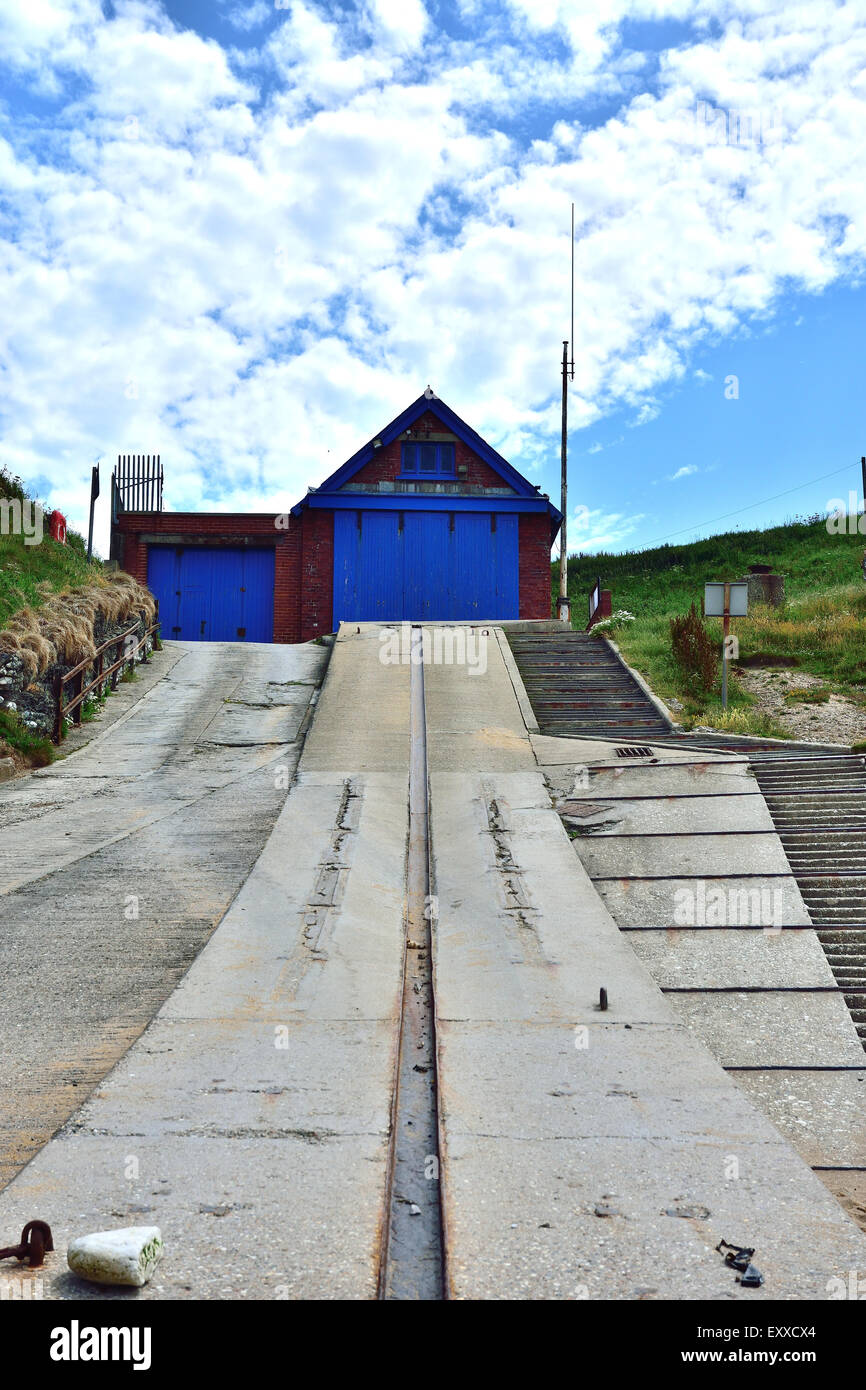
<point>674,773</point>
<point>252,1118</point>
<point>706,855</point>
<point>585,1153</point>
<point>771,1029</point>
<point>552,1109</point>
<point>117,862</point>
<point>682,958</point>
<point>666,849</point>
<point>822,1112</point>
<point>618,815</point>
<point>550,752</point>
<point>661,902</point>
<point>555,1114</point>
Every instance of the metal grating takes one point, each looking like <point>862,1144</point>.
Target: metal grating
<point>633,752</point>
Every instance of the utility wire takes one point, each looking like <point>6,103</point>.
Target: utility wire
<point>799,488</point>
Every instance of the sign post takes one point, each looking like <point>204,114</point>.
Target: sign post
<point>726,601</point>
<point>94,493</point>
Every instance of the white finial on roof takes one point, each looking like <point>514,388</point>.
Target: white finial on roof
<point>431,394</point>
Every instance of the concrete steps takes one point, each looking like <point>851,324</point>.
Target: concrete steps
<point>578,686</point>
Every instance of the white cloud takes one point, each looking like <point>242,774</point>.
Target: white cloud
<point>402,23</point>
<point>244,260</point>
<point>250,16</point>
<point>685,472</point>
<point>592,529</point>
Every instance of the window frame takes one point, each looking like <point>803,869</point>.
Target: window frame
<point>438,472</point>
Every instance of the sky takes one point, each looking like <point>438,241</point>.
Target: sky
<point>244,235</point>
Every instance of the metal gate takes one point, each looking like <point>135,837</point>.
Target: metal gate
<point>216,595</point>
<point>413,566</point>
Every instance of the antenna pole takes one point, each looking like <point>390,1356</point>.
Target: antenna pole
<point>571,339</point>
<point>564,607</point>
<point>564,613</point>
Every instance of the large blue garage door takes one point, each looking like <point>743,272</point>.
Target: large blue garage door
<point>213,595</point>
<point>417,566</point>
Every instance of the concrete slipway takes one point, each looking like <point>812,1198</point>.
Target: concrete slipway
<point>584,1154</point>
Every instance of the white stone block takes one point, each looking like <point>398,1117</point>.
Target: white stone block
<point>127,1256</point>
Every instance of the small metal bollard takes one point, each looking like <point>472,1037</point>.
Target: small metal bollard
<point>602,1000</point>
<point>36,1238</point>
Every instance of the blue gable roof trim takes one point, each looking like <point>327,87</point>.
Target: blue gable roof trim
<point>423,502</point>
<point>343,475</point>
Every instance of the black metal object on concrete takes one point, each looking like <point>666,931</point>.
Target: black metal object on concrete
<point>36,1239</point>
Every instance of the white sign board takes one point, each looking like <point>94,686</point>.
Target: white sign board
<point>714,600</point>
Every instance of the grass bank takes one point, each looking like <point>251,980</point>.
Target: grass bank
<point>821,628</point>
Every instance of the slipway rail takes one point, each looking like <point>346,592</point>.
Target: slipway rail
<point>413,1259</point>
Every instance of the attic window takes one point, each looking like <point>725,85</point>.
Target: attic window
<point>426,459</point>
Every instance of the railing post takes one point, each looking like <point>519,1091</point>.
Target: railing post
<point>58,708</point>
<point>77,684</point>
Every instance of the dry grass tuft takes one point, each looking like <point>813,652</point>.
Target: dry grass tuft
<point>63,627</point>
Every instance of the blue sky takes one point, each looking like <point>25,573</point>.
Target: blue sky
<point>245,235</point>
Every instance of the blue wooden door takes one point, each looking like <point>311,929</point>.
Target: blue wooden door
<point>428,594</point>
<point>217,595</point>
<point>416,566</point>
<point>162,567</point>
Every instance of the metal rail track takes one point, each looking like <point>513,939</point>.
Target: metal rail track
<point>412,1263</point>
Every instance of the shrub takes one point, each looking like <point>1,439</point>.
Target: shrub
<point>695,651</point>
<point>613,623</point>
<point>11,485</point>
<point>35,746</point>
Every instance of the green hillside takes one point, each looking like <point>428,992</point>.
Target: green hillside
<point>821,628</point>
<point>24,568</point>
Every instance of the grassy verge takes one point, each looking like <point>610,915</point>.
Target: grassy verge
<point>821,628</point>
<point>36,749</point>
<point>24,568</point>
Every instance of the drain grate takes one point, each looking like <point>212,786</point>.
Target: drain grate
<point>633,752</point>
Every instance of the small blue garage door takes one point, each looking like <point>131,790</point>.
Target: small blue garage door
<point>213,595</point>
<point>416,566</point>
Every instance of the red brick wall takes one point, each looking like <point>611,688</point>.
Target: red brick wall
<point>287,585</point>
<point>316,586</point>
<point>135,557</point>
<point>230,529</point>
<point>604,609</point>
<point>384,466</point>
<point>304,560</point>
<point>534,565</point>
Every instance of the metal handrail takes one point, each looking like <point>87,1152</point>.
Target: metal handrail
<point>103,673</point>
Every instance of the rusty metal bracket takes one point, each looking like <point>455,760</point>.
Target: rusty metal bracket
<point>36,1239</point>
